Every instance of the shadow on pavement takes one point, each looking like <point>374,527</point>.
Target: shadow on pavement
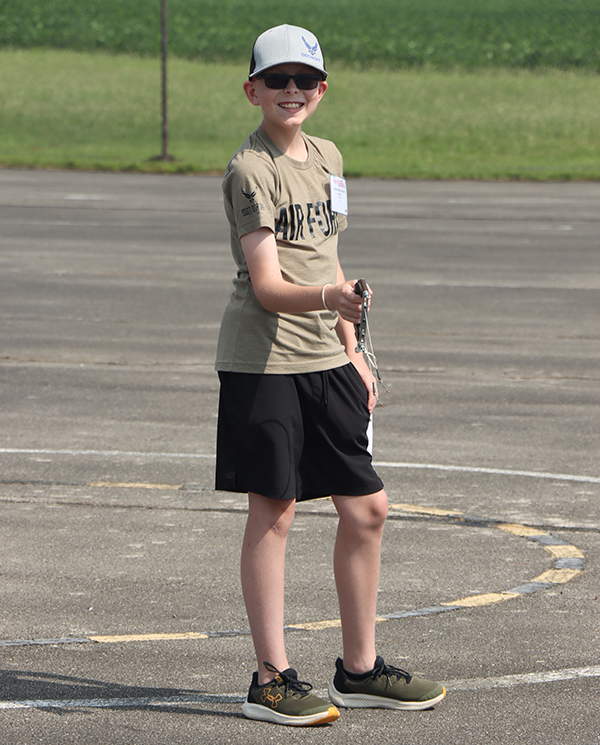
<point>49,690</point>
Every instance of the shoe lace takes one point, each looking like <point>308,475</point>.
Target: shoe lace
<point>390,672</point>
<point>291,683</point>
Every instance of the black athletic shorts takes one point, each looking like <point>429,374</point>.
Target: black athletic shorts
<point>299,436</point>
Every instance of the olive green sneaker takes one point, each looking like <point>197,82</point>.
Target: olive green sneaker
<point>287,700</point>
<point>384,687</point>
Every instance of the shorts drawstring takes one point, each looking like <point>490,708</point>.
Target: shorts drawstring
<point>325,379</point>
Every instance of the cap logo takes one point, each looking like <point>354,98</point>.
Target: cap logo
<point>311,49</point>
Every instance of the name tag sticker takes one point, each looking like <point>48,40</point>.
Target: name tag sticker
<point>339,194</point>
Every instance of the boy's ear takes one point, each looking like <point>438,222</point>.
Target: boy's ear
<point>250,91</point>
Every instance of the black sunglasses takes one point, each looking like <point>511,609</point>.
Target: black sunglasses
<point>279,80</point>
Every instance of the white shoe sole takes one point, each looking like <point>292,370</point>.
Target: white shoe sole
<point>365,701</point>
<point>264,714</point>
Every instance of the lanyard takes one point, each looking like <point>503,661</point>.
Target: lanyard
<point>363,333</point>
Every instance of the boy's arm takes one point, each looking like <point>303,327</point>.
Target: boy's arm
<point>277,295</point>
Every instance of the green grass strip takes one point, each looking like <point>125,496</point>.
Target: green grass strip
<point>379,33</point>
<point>95,111</point>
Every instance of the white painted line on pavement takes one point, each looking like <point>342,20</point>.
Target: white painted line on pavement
<point>118,703</point>
<point>497,471</point>
<point>506,681</point>
<point>108,453</point>
<point>380,464</point>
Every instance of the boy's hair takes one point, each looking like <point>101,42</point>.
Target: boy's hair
<point>284,44</point>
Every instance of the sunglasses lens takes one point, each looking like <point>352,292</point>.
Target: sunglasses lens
<point>307,82</point>
<point>279,81</point>
<point>276,80</point>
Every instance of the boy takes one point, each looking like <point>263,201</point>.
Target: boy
<point>295,396</point>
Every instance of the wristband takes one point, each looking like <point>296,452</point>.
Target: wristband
<point>323,296</point>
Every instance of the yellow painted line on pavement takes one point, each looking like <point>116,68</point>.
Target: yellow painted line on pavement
<point>520,530</point>
<point>120,485</point>
<point>332,623</point>
<point>558,576</point>
<point>119,638</point>
<point>565,552</point>
<point>316,625</point>
<point>489,598</point>
<point>561,552</point>
<point>553,576</point>
<point>423,510</point>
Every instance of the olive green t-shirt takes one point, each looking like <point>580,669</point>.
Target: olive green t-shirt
<point>263,187</point>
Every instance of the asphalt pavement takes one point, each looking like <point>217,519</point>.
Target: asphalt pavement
<point>122,619</point>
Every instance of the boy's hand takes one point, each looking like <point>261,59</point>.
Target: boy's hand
<point>369,382</point>
<point>343,299</point>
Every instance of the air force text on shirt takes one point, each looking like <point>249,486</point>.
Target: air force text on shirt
<point>295,219</point>
<point>252,208</point>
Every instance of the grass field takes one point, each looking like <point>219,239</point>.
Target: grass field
<point>382,33</point>
<point>98,111</point>
<point>419,89</point>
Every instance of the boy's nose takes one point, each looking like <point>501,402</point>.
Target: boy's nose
<point>291,85</point>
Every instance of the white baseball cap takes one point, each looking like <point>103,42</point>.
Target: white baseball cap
<point>283,44</point>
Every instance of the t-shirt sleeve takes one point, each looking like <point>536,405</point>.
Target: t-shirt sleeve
<point>250,189</point>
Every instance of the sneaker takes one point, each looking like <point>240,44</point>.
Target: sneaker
<point>287,700</point>
<point>384,687</point>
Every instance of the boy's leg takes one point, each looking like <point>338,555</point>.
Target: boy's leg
<point>262,571</point>
<point>362,678</point>
<point>356,565</point>
<point>275,695</point>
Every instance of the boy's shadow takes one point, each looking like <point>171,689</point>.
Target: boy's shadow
<point>48,690</point>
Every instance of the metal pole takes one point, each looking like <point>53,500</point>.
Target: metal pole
<point>165,128</point>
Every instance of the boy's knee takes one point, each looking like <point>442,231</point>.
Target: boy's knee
<point>282,524</point>
<point>364,513</point>
<point>275,515</point>
<point>378,510</point>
